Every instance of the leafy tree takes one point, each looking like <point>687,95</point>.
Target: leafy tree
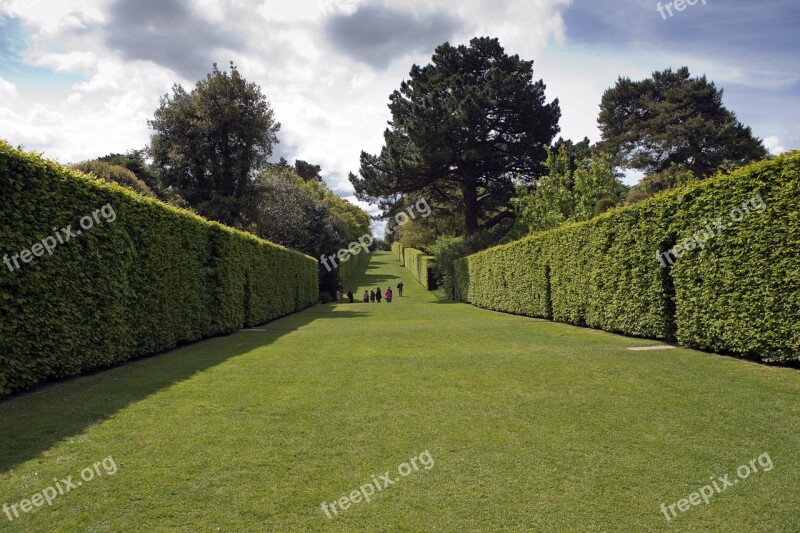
<point>576,152</point>
<point>550,203</point>
<point>417,234</point>
<point>565,195</point>
<point>596,189</point>
<point>354,222</point>
<point>287,213</point>
<point>307,171</point>
<point>305,216</point>
<point>462,127</point>
<point>209,143</point>
<point>673,119</point>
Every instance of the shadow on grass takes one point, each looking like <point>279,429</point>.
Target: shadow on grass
<point>33,422</point>
<point>372,281</point>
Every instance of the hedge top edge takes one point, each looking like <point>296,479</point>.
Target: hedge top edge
<point>678,192</point>
<point>37,158</point>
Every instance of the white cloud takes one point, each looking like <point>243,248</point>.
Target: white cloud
<point>7,88</point>
<point>331,106</point>
<point>774,145</point>
<point>69,62</point>
<point>53,16</point>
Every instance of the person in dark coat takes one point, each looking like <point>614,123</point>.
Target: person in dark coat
<point>372,296</point>
<point>378,294</point>
<point>350,295</point>
<point>400,289</point>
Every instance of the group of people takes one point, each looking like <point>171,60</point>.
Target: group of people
<point>372,296</point>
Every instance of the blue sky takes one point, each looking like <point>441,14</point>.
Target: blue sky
<point>80,78</point>
<point>14,41</point>
<point>761,39</point>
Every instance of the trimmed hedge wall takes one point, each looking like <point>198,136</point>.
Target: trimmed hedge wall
<point>355,265</point>
<point>739,293</point>
<point>397,250</point>
<point>150,279</point>
<point>419,264</point>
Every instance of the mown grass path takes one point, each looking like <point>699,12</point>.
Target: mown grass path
<point>531,425</point>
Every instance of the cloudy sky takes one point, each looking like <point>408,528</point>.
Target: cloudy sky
<point>80,78</point>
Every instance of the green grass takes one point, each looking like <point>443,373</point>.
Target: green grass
<point>532,426</point>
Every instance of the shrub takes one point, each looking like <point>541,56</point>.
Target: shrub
<point>603,205</point>
<point>738,293</point>
<point>116,174</point>
<point>153,278</point>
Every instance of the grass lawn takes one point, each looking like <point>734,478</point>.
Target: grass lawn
<point>530,425</point>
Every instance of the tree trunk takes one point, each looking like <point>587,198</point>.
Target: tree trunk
<point>470,194</point>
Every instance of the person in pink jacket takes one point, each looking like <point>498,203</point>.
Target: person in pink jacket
<point>388,295</point>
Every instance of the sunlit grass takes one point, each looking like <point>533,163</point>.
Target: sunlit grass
<point>532,426</point>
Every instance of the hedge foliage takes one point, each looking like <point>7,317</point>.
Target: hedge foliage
<point>397,250</point>
<point>151,279</point>
<point>419,264</point>
<point>738,293</point>
<point>356,264</point>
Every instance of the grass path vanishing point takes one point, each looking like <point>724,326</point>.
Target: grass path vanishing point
<point>530,425</point>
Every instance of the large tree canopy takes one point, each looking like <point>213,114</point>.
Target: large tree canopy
<point>672,119</point>
<point>210,143</point>
<point>462,128</point>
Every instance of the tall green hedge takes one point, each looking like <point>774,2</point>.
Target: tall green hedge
<point>397,250</point>
<point>739,293</point>
<point>152,279</point>
<point>419,264</point>
<point>356,264</point>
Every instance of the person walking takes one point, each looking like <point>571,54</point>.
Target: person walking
<point>366,297</point>
<point>350,295</point>
<point>388,295</point>
<point>400,289</point>
<point>338,296</point>
<point>372,296</point>
<point>378,294</point>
